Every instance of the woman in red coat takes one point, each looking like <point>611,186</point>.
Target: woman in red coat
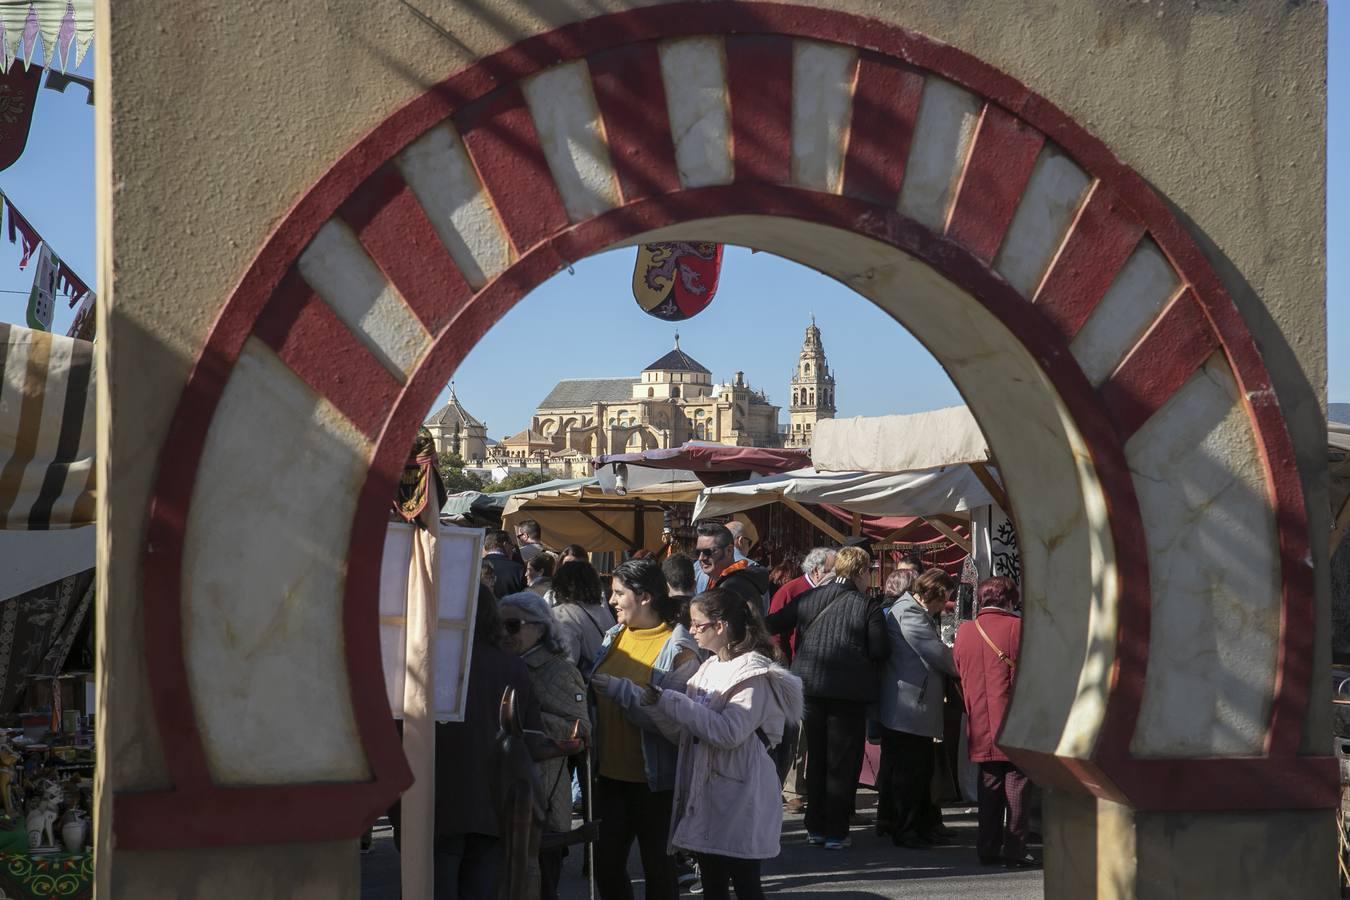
<point>986,655</point>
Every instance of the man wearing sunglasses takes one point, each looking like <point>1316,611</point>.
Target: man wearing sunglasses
<point>528,534</point>
<point>718,563</point>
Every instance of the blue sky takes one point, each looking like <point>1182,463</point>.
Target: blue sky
<point>585,323</point>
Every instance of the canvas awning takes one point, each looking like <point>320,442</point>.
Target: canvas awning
<point>713,463</point>
<point>479,505</point>
<point>942,437</point>
<point>598,521</point>
<point>933,492</point>
<point>46,430</point>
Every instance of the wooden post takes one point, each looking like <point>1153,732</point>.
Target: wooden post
<point>813,519</point>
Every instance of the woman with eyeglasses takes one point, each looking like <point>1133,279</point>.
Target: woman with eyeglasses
<point>531,633</point>
<point>636,755</point>
<point>734,710</point>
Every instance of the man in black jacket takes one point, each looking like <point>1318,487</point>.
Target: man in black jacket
<point>716,550</point>
<point>841,644</point>
<point>497,553</point>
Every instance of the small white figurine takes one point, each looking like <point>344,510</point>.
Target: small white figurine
<point>42,816</point>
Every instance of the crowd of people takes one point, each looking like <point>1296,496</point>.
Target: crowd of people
<point>711,692</point>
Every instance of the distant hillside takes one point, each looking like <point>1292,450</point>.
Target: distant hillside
<point>1339,412</point>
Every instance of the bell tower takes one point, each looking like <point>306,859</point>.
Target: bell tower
<point>811,391</point>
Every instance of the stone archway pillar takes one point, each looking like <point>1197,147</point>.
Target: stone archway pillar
<point>1100,849</point>
<point>1136,317</point>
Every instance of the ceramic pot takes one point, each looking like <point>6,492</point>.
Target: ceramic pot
<point>73,833</point>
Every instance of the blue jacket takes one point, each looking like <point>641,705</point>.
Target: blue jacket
<point>913,680</point>
<point>660,736</point>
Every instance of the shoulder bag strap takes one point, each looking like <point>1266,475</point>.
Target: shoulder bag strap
<point>992,646</point>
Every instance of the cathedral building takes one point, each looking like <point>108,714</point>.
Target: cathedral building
<point>812,390</point>
<point>672,401</point>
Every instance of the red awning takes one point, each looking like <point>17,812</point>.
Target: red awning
<point>714,463</point>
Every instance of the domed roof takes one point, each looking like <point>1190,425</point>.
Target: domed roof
<point>452,412</point>
<point>677,361</point>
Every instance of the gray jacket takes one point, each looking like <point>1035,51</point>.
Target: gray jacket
<point>913,681</point>
<point>660,736</point>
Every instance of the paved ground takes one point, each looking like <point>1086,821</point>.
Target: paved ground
<point>872,868</point>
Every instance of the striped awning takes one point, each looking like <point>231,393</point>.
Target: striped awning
<point>46,430</point>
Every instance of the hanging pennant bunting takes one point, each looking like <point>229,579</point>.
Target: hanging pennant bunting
<point>57,81</point>
<point>61,29</point>
<point>83,325</point>
<point>70,284</point>
<point>675,280</point>
<point>42,298</point>
<point>19,229</point>
<point>18,95</point>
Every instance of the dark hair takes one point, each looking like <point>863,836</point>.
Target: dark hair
<point>576,551</point>
<point>911,558</point>
<point>748,632</point>
<point>576,582</point>
<point>487,623</point>
<point>542,563</point>
<point>530,527</point>
<point>499,539</point>
<point>933,584</point>
<point>644,576</point>
<point>785,571</point>
<point>1000,591</point>
<point>722,535</point>
<point>678,570</point>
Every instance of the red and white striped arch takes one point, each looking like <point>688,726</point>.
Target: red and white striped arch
<point>868,151</point>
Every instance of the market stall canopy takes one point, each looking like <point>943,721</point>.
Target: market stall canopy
<point>942,437</point>
<point>933,492</point>
<point>46,430</point>
<point>713,463</point>
<point>586,515</point>
<point>488,507</point>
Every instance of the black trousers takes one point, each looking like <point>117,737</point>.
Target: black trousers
<point>716,872</point>
<point>1003,811</point>
<point>905,783</point>
<point>550,872</point>
<point>628,811</point>
<point>835,731</point>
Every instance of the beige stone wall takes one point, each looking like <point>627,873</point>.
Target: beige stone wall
<point>214,120</point>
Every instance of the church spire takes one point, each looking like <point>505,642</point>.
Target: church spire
<point>811,390</point>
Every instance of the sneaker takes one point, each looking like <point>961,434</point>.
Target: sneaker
<point>686,873</point>
<point>843,844</point>
<point>1027,861</point>
<point>815,840</point>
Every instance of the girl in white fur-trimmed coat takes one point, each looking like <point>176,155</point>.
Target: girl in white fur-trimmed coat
<point>728,797</point>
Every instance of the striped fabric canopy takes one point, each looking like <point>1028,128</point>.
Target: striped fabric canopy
<point>46,430</point>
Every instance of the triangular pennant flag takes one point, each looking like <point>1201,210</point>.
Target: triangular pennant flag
<point>32,36</point>
<point>42,298</point>
<point>65,37</point>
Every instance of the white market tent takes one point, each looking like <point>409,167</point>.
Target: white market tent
<point>926,440</point>
<point>928,465</point>
<point>932,492</point>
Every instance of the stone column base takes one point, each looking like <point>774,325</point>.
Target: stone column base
<point>1096,848</point>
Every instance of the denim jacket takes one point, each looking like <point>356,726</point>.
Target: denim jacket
<point>660,736</point>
